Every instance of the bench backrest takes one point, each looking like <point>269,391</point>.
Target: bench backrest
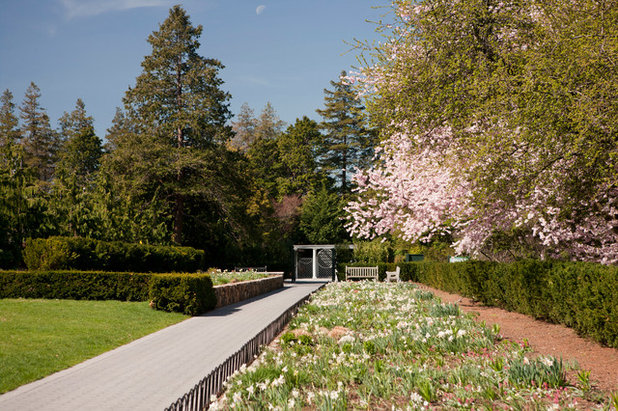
<point>361,270</point>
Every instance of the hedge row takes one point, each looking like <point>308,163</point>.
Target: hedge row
<point>583,296</point>
<point>75,253</point>
<point>190,294</point>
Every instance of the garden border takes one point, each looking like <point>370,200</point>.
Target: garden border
<point>198,398</point>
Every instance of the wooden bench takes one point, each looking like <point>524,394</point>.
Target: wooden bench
<point>361,273</point>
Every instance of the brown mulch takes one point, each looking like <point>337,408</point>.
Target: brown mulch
<point>545,338</point>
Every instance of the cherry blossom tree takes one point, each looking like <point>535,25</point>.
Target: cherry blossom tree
<point>499,125</point>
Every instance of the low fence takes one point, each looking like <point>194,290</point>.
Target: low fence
<point>198,398</point>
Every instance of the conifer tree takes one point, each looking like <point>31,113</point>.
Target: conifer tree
<point>179,112</point>
<point>347,142</point>
<point>40,142</point>
<point>9,130</point>
<point>297,150</point>
<point>243,129</point>
<point>78,163</point>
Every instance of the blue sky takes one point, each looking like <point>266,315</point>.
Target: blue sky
<point>282,51</point>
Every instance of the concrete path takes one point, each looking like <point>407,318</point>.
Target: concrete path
<point>154,371</point>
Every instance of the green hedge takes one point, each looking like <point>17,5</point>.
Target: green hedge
<point>583,296</point>
<point>187,293</point>
<point>76,253</point>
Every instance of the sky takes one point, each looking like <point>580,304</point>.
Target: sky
<point>284,52</point>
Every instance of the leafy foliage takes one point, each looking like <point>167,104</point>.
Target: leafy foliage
<point>498,122</point>
<point>55,253</point>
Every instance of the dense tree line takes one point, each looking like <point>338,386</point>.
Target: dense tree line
<point>175,169</point>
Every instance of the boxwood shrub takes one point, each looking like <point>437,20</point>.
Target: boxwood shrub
<point>191,294</point>
<point>76,253</point>
<point>75,285</point>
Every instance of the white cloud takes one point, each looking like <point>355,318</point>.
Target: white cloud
<point>84,8</point>
<point>260,9</point>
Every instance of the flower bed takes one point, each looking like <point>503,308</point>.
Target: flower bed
<point>370,345</point>
<point>226,277</point>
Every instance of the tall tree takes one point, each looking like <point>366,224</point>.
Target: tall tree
<point>298,147</point>
<point>348,143</point>
<point>499,123</point>
<point>39,141</point>
<point>180,111</point>
<point>244,129</point>
<point>9,123</point>
<point>78,162</point>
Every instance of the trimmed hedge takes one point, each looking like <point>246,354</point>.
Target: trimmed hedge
<point>580,295</point>
<point>76,253</point>
<point>191,294</point>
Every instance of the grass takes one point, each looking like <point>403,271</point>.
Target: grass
<point>40,337</point>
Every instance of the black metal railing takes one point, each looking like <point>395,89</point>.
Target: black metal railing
<point>198,398</point>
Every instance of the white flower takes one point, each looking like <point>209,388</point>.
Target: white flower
<point>310,396</point>
<point>251,389</point>
<point>291,403</point>
<point>416,398</point>
<point>295,393</point>
<point>237,397</point>
<point>547,361</point>
<point>334,395</point>
<point>345,339</point>
<point>461,333</point>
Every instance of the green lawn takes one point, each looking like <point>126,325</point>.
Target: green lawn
<point>39,337</point>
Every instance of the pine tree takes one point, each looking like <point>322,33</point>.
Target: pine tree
<point>347,143</point>
<point>179,113</point>
<point>40,142</point>
<point>178,96</point>
<point>9,130</point>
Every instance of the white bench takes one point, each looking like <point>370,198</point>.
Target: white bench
<point>359,273</point>
<point>393,275</point>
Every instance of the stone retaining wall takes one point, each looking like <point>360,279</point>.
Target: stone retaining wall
<point>234,292</point>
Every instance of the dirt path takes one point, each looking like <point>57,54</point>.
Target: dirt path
<point>544,338</point>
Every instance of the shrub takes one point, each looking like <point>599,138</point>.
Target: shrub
<point>580,295</point>
<point>187,293</point>
<point>74,285</point>
<point>62,253</point>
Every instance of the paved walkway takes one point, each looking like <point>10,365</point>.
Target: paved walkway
<point>154,371</point>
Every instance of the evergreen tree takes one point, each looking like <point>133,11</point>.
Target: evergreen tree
<point>179,115</point>
<point>79,161</point>
<point>9,130</point>
<point>121,126</point>
<point>297,150</point>
<point>347,142</point>
<point>243,129</point>
<point>178,96</point>
<point>40,142</point>
<point>322,217</point>
<point>80,155</point>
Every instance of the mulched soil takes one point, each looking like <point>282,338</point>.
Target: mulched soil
<point>545,339</point>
